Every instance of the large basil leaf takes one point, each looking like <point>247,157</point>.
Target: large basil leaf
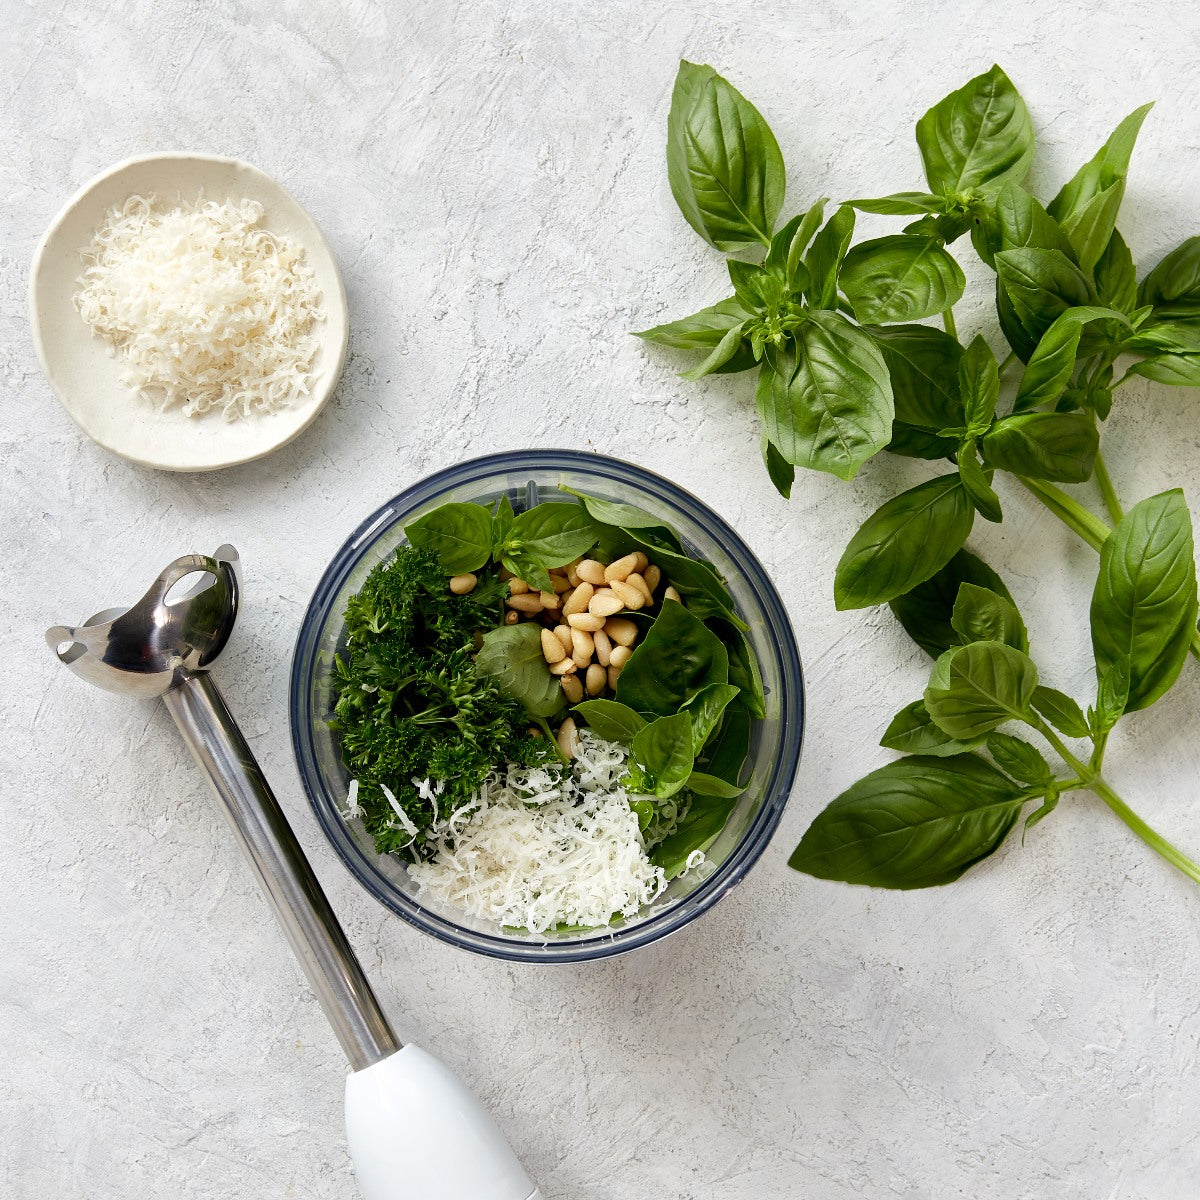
<point>977,137</point>
<point>744,671</point>
<point>612,721</point>
<point>900,278</point>
<point>1052,364</point>
<point>1040,285</point>
<point>987,684</point>
<point>703,330</point>
<point>661,756</point>
<point>627,517</point>
<point>922,363</point>
<point>1173,287</point>
<point>552,534</point>
<point>825,255</point>
<point>1144,605</point>
<point>835,410</point>
<point>512,655</point>
<point>724,165</point>
<point>913,732</point>
<point>927,611</point>
<point>1087,206</point>
<point>919,822</point>
<point>981,615</point>
<point>705,818</point>
<point>459,534</point>
<point>676,658</point>
<point>903,543</point>
<point>1058,446</point>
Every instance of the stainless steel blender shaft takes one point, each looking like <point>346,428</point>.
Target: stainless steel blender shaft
<point>294,893</point>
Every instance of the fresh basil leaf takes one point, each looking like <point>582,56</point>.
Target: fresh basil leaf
<point>744,672</point>
<point>1115,275</point>
<point>1087,205</point>
<point>528,569</point>
<point>725,755</point>
<point>512,655</point>
<point>786,256</point>
<point>988,683</point>
<point>782,472</point>
<point>978,385</point>
<point>720,354</point>
<point>705,818</point>
<point>1144,605</point>
<point>1040,285</point>
<point>1112,697</point>
<point>1019,759</point>
<point>1024,224</point>
<point>502,523</point>
<point>927,611</point>
<point>1173,287</point>
<point>625,516</point>
<point>703,330</point>
<point>1174,336</point>
<point>899,204</point>
<point>676,658</point>
<point>977,137</point>
<point>903,543</point>
<point>825,255</point>
<point>1056,446</point>
<point>706,709</point>
<point>724,165</point>
<point>1179,370</point>
<point>459,534</point>
<point>836,410</point>
<point>662,753</point>
<point>912,442</point>
<point>923,364</point>
<point>912,732</point>
<point>612,721</point>
<point>918,822</point>
<point>551,534</point>
<point>981,615</point>
<point>1052,364</point>
<point>1061,711</point>
<point>1023,344</point>
<point>900,278</point>
<point>710,785</point>
<point>1040,814</point>
<point>977,482</point>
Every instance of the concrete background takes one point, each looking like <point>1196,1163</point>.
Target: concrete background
<point>492,177</point>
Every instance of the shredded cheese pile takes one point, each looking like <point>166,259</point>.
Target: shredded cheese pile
<point>206,309</point>
<point>546,846</point>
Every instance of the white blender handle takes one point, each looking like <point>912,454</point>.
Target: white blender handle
<point>416,1133</point>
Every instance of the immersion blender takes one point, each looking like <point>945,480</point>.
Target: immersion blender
<point>414,1131</point>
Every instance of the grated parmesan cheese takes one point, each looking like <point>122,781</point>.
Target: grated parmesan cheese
<point>546,846</point>
<point>206,309</point>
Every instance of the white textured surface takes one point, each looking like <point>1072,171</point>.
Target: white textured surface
<point>492,179</point>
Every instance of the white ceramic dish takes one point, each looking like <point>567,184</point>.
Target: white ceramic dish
<point>85,377</point>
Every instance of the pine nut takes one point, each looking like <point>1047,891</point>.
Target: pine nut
<point>606,603</point>
<point>642,561</point>
<point>563,633</point>
<point>597,677</point>
<point>591,571</point>
<point>603,647</point>
<point>582,647</point>
<point>462,585</point>
<point>572,688</point>
<point>630,596</point>
<point>568,738</point>
<point>573,576</point>
<point>552,648</point>
<point>614,673</point>
<point>579,599</point>
<point>565,667</point>
<point>517,587</point>
<point>620,569</point>
<point>511,618</point>
<point>621,630</point>
<point>586,621</point>
<point>526,602</point>
<point>672,594</point>
<point>549,599</point>
<point>620,656</point>
<point>653,577</point>
<point>639,582</point>
<point>560,581</point>
<point>533,731</point>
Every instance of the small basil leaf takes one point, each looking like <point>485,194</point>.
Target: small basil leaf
<point>987,684</point>
<point>612,721</point>
<point>918,822</point>
<point>903,543</point>
<point>459,534</point>
<point>744,672</point>
<point>703,330</point>
<point>1115,276</point>
<point>1179,370</point>
<point>720,354</point>
<point>825,255</point>
<point>662,752</point>
<point>977,483</point>
<point>899,204</point>
<point>782,472</point>
<point>1056,446</point>
<point>977,137</point>
<point>981,615</point>
<point>553,534</point>
<point>1019,759</point>
<point>912,732</point>
<point>835,411</point>
<point>1175,336</point>
<point>1144,605</point>
<point>1047,807</point>
<point>1112,697</point>
<point>512,655</point>
<point>502,523</point>
<point>725,755</point>
<point>528,569</point>
<point>978,384</point>
<point>1052,364</point>
<point>1173,287</point>
<point>710,785</point>
<point>627,517</point>
<point>723,163</point>
<point>1024,224</point>
<point>900,278</point>
<point>706,709</point>
<point>1061,711</point>
<point>1040,285</point>
<point>786,255</point>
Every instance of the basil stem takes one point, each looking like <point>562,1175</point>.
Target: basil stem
<point>1111,500</point>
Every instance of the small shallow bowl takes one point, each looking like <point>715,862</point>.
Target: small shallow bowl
<point>86,377</point>
<point>528,477</point>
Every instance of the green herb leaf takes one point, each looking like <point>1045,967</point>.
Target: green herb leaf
<point>1060,710</point>
<point>1144,605</point>
<point>1115,275</point>
<point>782,472</point>
<point>720,354</point>
<point>1019,759</point>
<point>786,255</point>
<point>987,684</point>
<point>554,533</point>
<point>1112,697</point>
<point>903,543</point>
<point>1179,370</point>
<point>703,330</point>
<point>825,255</point>
<point>1173,287</point>
<point>977,482</point>
<point>725,755</point>
<point>459,534</point>
<point>978,385</point>
<point>710,785</point>
<point>899,204</point>
<point>982,615</point>
<point>612,721</point>
<point>661,756</point>
<point>912,732</point>
<point>512,655</point>
<point>918,822</point>
<point>724,165</point>
<point>743,664</point>
<point>1024,224</point>
<point>701,824</point>
<point>1057,446</point>
<point>1040,814</point>
<point>706,709</point>
<point>835,410</point>
<point>900,278</point>
<point>977,137</point>
<point>1052,364</point>
<point>923,364</point>
<point>1040,285</point>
